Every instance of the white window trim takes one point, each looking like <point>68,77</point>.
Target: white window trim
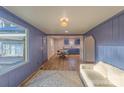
<point>26,49</point>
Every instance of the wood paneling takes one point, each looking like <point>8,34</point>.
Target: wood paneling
<point>109,38</point>
<point>16,76</point>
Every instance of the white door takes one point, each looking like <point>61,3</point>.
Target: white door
<point>89,49</point>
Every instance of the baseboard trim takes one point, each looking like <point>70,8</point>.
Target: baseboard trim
<point>51,57</point>
<point>31,75</point>
<point>27,79</point>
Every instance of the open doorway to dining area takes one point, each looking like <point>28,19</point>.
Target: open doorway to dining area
<point>63,46</point>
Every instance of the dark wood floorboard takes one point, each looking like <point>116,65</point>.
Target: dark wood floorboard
<point>70,63</point>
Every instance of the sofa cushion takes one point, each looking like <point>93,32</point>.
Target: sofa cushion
<point>101,68</point>
<point>115,75</point>
<point>97,79</point>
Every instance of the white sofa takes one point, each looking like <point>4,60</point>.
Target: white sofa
<point>101,75</point>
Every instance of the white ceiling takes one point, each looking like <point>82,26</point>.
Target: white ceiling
<point>81,19</point>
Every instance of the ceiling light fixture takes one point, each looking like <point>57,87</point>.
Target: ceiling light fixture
<point>64,21</point>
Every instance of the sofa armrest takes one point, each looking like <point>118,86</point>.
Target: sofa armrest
<point>87,82</point>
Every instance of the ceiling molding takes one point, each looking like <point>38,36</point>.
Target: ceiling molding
<point>64,34</point>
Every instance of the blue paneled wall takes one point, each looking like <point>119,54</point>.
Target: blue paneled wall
<point>37,54</point>
<point>109,37</point>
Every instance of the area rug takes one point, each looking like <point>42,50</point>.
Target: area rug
<point>51,78</point>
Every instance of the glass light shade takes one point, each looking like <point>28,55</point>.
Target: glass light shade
<point>64,21</point>
<point>64,24</point>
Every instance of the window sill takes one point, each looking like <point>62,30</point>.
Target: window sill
<point>8,69</point>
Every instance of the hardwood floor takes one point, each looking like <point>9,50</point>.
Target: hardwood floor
<point>70,63</point>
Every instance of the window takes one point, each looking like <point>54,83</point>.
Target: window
<point>13,42</point>
<point>66,41</point>
<point>77,41</point>
<point>11,48</point>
